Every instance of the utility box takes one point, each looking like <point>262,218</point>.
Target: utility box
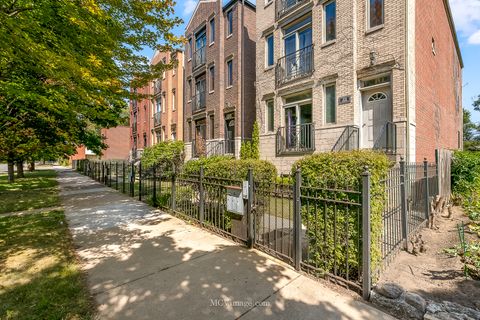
<point>235,202</point>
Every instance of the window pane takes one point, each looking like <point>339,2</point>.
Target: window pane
<point>270,57</point>
<point>299,97</point>
<point>212,31</point>
<point>376,13</point>
<point>212,78</point>
<point>330,21</point>
<point>270,115</point>
<point>330,107</point>
<point>230,22</point>
<point>230,73</point>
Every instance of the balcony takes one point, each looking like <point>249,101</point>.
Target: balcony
<point>157,119</point>
<point>157,88</point>
<point>286,6</point>
<point>134,106</point>
<point>134,127</point>
<point>296,139</point>
<point>202,148</point>
<point>387,139</point>
<point>199,58</point>
<point>294,66</point>
<point>348,140</point>
<point>198,102</point>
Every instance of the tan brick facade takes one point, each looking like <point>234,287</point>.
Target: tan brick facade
<point>358,54</point>
<point>222,102</point>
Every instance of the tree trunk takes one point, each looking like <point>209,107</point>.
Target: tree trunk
<point>20,169</point>
<point>31,166</point>
<point>11,172</point>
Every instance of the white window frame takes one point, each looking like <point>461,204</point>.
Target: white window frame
<point>324,22</point>
<point>267,52</point>
<point>267,115</point>
<point>369,27</point>
<point>327,85</point>
<point>173,100</point>
<point>210,82</point>
<point>229,85</point>
<point>212,31</point>
<point>229,32</point>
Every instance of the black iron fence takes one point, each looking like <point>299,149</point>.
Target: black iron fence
<point>317,228</point>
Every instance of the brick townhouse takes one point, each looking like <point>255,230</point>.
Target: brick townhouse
<point>348,74</point>
<point>219,77</point>
<point>159,117</point>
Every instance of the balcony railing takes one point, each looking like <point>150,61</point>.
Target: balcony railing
<point>198,101</point>
<point>157,119</point>
<point>387,140</point>
<point>134,126</point>
<point>134,106</point>
<point>157,88</point>
<point>202,148</point>
<point>286,6</point>
<point>348,140</point>
<point>295,65</point>
<point>296,139</point>
<point>199,58</point>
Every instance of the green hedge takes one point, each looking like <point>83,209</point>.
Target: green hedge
<point>466,181</point>
<point>229,168</point>
<point>326,174</point>
<point>166,154</point>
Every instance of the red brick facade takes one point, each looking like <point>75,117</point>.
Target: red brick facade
<point>117,149</point>
<point>439,112</point>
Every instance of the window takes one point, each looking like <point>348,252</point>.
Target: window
<point>190,130</point>
<point>269,53</point>
<point>330,21</point>
<point>163,103</point>
<point>189,89</point>
<point>164,61</point>
<point>229,73</point>
<point>144,140</point>
<point>330,104</point>
<point>375,13</point>
<point>230,23</point>
<point>434,47</point>
<point>190,49</point>
<point>212,79</point>
<point>212,127</point>
<point>270,116</point>
<point>173,100</point>
<point>212,31</point>
<point>158,103</point>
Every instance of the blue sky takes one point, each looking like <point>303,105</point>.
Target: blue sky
<point>467,20</point>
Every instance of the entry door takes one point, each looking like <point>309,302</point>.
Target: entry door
<point>229,136</point>
<point>377,111</point>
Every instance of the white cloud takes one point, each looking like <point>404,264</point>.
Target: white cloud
<point>474,38</point>
<point>466,14</point>
<point>188,7</point>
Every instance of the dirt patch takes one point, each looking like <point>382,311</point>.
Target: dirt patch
<point>435,275</point>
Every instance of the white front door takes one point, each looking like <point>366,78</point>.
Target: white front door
<point>377,111</point>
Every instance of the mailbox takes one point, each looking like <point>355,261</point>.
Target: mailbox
<point>235,200</point>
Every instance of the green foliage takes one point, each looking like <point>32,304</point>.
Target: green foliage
<point>229,168</point>
<point>166,154</point>
<point>337,176</point>
<point>251,149</point>
<point>471,132</point>
<point>466,181</point>
<point>82,58</point>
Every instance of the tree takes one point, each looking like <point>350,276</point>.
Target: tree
<point>66,67</point>
<point>471,132</point>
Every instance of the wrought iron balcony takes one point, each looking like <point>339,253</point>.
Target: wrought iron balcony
<point>134,127</point>
<point>296,65</point>
<point>157,119</point>
<point>198,101</point>
<point>348,140</point>
<point>286,6</point>
<point>199,58</point>
<point>157,88</point>
<point>134,106</point>
<point>202,148</point>
<point>387,140</point>
<point>296,139</point>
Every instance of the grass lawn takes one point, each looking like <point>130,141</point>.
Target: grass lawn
<point>37,190</point>
<point>39,274</point>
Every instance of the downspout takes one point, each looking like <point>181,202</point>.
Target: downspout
<point>407,87</point>
<point>242,90</point>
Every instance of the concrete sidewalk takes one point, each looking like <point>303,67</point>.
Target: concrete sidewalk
<point>145,264</point>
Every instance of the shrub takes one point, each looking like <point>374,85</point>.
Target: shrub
<point>229,168</point>
<point>165,154</point>
<point>251,149</point>
<point>338,222</point>
<point>466,181</point>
